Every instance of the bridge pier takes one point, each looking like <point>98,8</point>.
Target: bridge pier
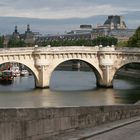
<point>104,85</point>
<point>44,77</point>
<point>107,80</point>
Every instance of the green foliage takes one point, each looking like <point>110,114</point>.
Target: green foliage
<point>1,41</point>
<point>134,41</point>
<point>82,42</point>
<point>105,41</point>
<point>16,43</point>
<point>122,44</point>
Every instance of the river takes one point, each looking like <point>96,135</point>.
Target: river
<point>68,88</point>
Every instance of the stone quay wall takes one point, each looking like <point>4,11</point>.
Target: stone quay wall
<point>42,123</point>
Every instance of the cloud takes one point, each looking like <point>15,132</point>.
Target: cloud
<point>60,15</point>
<point>61,9</point>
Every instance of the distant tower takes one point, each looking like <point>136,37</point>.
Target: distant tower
<point>16,33</point>
<point>29,36</point>
<point>28,28</point>
<point>16,29</point>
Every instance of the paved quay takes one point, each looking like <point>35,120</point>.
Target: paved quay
<point>127,132</point>
<point>128,129</point>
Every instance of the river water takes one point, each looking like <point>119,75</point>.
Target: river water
<point>68,88</point>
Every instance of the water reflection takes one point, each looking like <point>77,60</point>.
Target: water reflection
<point>72,81</point>
<point>68,89</point>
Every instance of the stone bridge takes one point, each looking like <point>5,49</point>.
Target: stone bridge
<point>42,61</point>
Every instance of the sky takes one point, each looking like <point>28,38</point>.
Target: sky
<point>61,15</point>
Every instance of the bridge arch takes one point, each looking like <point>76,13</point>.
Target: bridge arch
<point>29,66</point>
<point>97,71</point>
<point>123,68</point>
<point>128,62</point>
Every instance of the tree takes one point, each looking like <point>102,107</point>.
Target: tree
<point>134,41</point>
<point>1,41</point>
<point>16,43</point>
<point>122,43</point>
<point>105,41</point>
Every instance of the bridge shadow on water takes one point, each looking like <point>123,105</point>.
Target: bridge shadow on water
<point>127,90</point>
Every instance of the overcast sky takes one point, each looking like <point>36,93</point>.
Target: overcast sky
<point>66,9</point>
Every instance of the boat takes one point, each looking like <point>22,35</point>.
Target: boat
<point>24,73</point>
<point>7,77</point>
<point>16,71</point>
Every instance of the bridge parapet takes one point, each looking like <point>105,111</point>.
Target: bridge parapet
<point>128,49</point>
<point>16,50</point>
<point>66,49</point>
<point>107,48</point>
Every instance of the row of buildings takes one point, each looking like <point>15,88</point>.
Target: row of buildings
<point>114,26</point>
<point>28,37</point>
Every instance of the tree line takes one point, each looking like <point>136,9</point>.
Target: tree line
<point>133,41</point>
<point>105,41</point>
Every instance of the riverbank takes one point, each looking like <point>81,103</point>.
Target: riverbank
<point>45,123</point>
